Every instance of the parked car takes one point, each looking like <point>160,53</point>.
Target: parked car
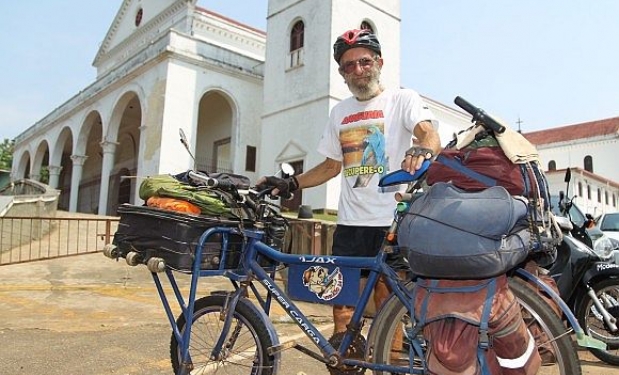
<point>609,224</point>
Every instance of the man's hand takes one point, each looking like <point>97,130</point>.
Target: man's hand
<point>282,187</point>
<point>414,157</point>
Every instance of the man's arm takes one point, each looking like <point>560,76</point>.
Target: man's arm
<point>320,174</point>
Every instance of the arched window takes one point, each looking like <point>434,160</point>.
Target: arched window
<point>599,195</point>
<point>588,192</point>
<point>365,25</point>
<point>589,163</point>
<point>296,44</point>
<point>579,189</point>
<point>296,36</point>
<point>552,165</point>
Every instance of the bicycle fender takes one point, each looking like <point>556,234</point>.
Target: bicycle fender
<point>562,305</point>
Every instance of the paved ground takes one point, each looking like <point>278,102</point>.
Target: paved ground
<point>90,315</point>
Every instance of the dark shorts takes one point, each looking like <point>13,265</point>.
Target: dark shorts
<point>364,242</point>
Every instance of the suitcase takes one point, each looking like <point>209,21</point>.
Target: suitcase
<point>174,236</point>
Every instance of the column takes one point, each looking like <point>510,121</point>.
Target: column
<point>109,149</point>
<point>54,175</point>
<point>76,177</point>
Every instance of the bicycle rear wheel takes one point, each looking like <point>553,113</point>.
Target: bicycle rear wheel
<point>534,309</point>
<point>245,347</point>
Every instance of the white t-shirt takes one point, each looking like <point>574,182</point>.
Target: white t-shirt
<point>370,139</point>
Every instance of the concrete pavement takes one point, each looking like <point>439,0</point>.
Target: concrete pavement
<point>90,315</point>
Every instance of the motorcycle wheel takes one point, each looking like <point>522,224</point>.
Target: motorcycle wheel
<point>591,320</point>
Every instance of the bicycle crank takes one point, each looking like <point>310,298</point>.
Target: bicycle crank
<point>355,351</point>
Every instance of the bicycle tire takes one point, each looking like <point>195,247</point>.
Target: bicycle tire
<point>395,315</point>
<point>248,339</point>
<point>592,323</point>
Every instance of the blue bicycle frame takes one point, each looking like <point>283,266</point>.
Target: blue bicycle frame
<point>250,270</point>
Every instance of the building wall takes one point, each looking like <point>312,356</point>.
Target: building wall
<point>572,155</point>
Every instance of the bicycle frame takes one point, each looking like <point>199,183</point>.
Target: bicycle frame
<point>250,270</point>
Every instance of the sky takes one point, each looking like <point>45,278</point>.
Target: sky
<point>535,64</point>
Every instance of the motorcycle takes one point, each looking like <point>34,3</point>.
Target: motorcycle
<point>588,280</point>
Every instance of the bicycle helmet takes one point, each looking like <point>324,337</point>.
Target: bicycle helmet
<point>355,38</point>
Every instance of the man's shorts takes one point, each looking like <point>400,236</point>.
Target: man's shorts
<point>365,242</point>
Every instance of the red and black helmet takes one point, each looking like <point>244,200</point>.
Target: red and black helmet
<point>355,38</point>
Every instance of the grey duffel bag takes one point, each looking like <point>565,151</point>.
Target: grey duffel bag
<point>454,234</point>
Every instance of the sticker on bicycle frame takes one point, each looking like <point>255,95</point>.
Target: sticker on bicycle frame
<point>323,284</point>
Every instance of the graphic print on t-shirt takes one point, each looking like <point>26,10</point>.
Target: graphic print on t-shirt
<point>364,152</point>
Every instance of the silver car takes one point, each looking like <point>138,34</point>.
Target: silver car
<point>609,224</point>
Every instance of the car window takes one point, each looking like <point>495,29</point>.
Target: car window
<point>610,222</point>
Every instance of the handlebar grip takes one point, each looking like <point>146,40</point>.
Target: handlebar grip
<point>479,115</point>
<point>468,107</point>
<point>210,181</point>
<point>221,184</point>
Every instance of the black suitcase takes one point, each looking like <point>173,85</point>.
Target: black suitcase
<point>174,236</point>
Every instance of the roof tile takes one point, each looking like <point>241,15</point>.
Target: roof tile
<point>573,132</point>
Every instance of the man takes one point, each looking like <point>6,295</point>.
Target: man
<point>367,136</point>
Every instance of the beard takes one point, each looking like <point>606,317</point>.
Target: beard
<point>367,86</point>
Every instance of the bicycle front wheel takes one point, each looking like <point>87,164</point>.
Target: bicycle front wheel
<point>551,337</point>
<point>245,347</point>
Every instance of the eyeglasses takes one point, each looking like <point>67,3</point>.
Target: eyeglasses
<point>350,66</point>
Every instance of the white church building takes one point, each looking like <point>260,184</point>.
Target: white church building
<point>246,101</point>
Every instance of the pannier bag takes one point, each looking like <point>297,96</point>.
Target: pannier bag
<point>477,159</point>
<point>482,164</point>
<point>474,327</point>
<point>476,168</point>
<point>454,234</point>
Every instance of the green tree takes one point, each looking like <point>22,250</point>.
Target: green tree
<point>6,154</point>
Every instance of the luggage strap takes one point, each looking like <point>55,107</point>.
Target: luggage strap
<point>453,164</point>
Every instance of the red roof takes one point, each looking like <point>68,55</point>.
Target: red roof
<point>572,132</point>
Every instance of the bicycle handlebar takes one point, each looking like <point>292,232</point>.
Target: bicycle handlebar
<point>480,116</point>
<point>210,182</point>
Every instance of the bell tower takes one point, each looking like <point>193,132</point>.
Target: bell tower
<point>301,80</point>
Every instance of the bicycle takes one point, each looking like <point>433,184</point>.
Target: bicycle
<point>228,332</point>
